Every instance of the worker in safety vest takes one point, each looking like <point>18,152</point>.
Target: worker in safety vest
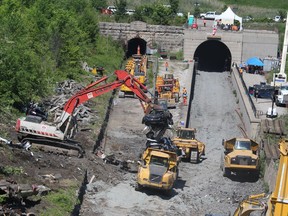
<point>184,95</point>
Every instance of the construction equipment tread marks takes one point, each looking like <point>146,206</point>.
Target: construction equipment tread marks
<point>67,147</point>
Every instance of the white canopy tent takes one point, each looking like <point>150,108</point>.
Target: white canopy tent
<point>228,17</point>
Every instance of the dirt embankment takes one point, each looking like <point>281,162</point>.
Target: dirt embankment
<point>201,188</point>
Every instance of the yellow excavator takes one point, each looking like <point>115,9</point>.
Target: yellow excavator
<point>277,204</point>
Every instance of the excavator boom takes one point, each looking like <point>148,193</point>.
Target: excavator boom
<point>59,134</point>
<point>89,92</point>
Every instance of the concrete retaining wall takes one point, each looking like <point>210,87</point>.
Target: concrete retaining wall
<point>246,113</point>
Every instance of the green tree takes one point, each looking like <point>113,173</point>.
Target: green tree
<point>161,15</point>
<point>196,11</point>
<point>174,6</point>
<point>121,10</point>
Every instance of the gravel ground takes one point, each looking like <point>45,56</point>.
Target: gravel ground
<point>201,188</point>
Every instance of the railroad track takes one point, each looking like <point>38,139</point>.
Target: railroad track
<point>275,127</point>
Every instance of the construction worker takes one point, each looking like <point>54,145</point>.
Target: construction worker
<point>184,95</point>
<point>166,66</point>
<point>241,71</point>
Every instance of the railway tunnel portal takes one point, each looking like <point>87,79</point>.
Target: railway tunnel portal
<point>213,55</point>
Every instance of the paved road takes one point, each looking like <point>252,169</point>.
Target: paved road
<point>261,104</point>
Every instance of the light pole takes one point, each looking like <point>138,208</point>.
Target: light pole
<point>272,114</point>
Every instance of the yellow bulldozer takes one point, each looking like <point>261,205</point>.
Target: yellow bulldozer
<point>136,66</point>
<point>157,169</point>
<point>277,202</point>
<point>168,88</point>
<point>192,148</point>
<point>241,155</point>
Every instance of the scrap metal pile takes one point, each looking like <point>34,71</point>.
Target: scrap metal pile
<point>16,195</point>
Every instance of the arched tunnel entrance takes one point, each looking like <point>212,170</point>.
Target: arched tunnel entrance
<point>213,55</point>
<point>133,45</point>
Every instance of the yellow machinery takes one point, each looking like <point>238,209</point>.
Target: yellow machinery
<point>98,71</point>
<point>136,66</point>
<point>186,141</point>
<point>168,88</point>
<point>240,156</point>
<point>251,204</point>
<point>278,201</point>
<point>157,169</point>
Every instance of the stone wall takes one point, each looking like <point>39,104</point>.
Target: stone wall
<point>242,45</point>
<point>167,37</point>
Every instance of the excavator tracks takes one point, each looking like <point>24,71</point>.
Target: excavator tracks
<point>67,147</point>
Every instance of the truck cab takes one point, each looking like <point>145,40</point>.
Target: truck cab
<point>282,96</point>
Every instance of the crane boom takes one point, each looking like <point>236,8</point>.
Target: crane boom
<point>281,77</point>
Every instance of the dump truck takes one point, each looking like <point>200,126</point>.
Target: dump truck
<point>241,155</point>
<point>192,148</point>
<point>158,169</point>
<point>137,67</point>
<point>168,88</point>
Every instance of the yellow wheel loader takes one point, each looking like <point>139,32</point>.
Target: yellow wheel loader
<point>192,148</point>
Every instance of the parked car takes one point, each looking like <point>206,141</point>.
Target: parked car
<point>211,15</point>
<point>130,11</point>
<point>112,8</point>
<point>247,19</point>
<point>277,18</point>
